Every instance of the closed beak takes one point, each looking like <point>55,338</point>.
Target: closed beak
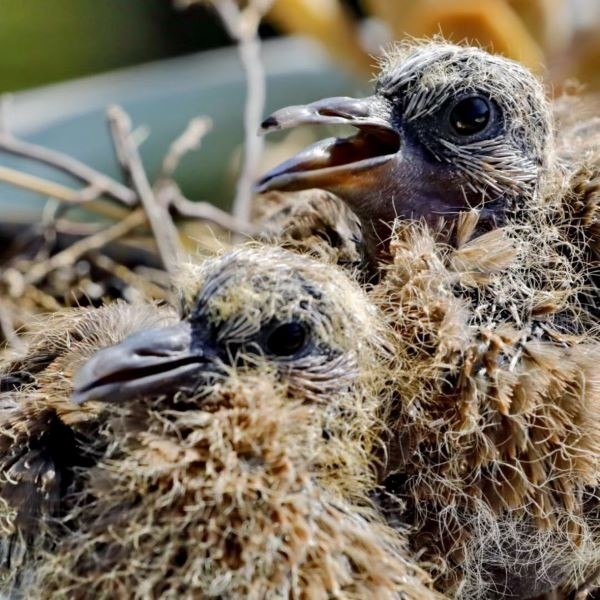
<point>151,362</point>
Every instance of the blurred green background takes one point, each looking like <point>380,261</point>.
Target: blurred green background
<point>43,42</point>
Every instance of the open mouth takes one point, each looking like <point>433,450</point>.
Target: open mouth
<point>334,161</point>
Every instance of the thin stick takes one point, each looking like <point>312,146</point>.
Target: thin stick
<point>163,228</point>
<point>131,278</point>
<point>170,195</point>
<point>77,249</point>
<point>243,27</point>
<point>96,180</point>
<point>40,298</point>
<point>187,141</point>
<point>41,186</point>
<point>47,188</point>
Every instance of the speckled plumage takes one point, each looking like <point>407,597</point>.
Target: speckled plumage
<point>496,422</point>
<point>251,483</point>
<point>487,250</point>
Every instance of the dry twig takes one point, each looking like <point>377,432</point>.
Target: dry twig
<point>26,276</point>
<point>170,195</point>
<point>75,251</point>
<point>189,140</point>
<point>242,26</point>
<point>163,228</point>
<point>51,189</point>
<point>143,284</point>
<point>98,184</point>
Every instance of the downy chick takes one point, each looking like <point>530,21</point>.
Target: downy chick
<point>227,453</point>
<point>485,222</point>
<point>448,129</point>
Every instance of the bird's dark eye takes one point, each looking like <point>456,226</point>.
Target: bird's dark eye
<point>287,339</point>
<point>470,115</point>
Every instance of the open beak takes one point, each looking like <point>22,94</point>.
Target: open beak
<point>334,164</point>
<point>151,362</point>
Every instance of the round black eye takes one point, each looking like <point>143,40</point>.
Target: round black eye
<point>470,115</point>
<point>287,339</point>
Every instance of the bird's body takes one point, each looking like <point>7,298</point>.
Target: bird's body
<point>496,425</point>
<point>315,223</point>
<point>224,453</point>
<point>480,211</point>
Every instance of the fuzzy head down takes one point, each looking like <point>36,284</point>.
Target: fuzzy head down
<point>255,483</point>
<point>426,81</point>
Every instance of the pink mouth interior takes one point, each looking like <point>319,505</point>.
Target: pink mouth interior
<point>367,143</point>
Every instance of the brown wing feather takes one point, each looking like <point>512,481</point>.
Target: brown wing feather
<point>36,452</point>
<point>43,436</point>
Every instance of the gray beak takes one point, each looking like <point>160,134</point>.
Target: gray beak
<point>334,164</point>
<point>151,362</point>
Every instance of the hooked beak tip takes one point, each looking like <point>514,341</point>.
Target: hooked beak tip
<point>333,164</point>
<point>260,187</point>
<point>268,125</point>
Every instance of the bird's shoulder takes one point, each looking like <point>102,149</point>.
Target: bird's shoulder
<point>313,222</point>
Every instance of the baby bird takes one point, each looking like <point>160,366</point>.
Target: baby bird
<point>448,129</point>
<point>495,441</point>
<point>225,453</point>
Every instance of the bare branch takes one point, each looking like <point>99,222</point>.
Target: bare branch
<point>143,284</point>
<point>94,179</point>
<point>50,189</point>
<point>189,140</point>
<point>75,251</point>
<point>242,26</point>
<point>41,186</point>
<point>170,195</point>
<point>163,228</point>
